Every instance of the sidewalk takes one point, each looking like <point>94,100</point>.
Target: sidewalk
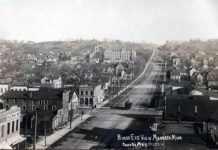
<point>51,139</point>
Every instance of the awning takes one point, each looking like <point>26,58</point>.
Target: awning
<point>5,145</point>
<point>213,98</point>
<point>176,87</point>
<point>15,139</point>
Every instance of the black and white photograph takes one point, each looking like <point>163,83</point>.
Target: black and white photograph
<point>109,74</point>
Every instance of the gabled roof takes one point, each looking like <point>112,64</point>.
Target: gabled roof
<point>124,64</point>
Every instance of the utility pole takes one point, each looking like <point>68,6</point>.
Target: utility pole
<point>71,114</point>
<point>45,129</point>
<point>110,92</point>
<point>35,131</point>
<point>165,103</point>
<point>26,113</point>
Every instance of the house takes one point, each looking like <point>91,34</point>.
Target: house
<point>212,79</point>
<point>120,67</point>
<point>124,70</point>
<point>175,75</point>
<point>175,61</point>
<point>50,60</point>
<point>192,71</point>
<point>40,61</point>
<point>114,85</point>
<point>3,88</point>
<point>10,129</point>
<point>200,79</point>
<point>110,69</point>
<point>178,75</point>
<point>55,81</point>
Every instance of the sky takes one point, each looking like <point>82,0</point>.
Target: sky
<point>129,20</point>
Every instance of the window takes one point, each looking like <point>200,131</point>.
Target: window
<point>8,129</point>
<point>15,100</point>
<point>34,102</point>
<point>1,90</point>
<point>7,100</point>
<point>86,101</point>
<point>53,107</point>
<point>2,130</point>
<point>34,108</point>
<point>24,107</point>
<point>45,107</point>
<point>178,108</point>
<point>13,126</point>
<point>91,100</point>
<point>46,102</point>
<point>91,92</point>
<point>17,123</point>
<point>81,92</point>
<point>196,109</point>
<point>81,101</point>
<point>86,92</point>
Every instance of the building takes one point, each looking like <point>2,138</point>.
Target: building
<point>86,96</point>
<point>47,100</point>
<point>198,108</point>
<point>74,103</point>
<point>3,88</point>
<point>119,55</point>
<point>99,94</point>
<point>178,75</point>
<point>18,88</point>
<point>124,70</point>
<point>56,82</point>
<point>10,137</point>
<point>62,116</point>
<point>191,108</point>
<point>212,79</point>
<point>176,61</point>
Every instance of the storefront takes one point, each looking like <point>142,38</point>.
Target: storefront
<point>10,137</point>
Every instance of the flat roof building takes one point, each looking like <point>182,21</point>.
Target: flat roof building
<point>10,137</point>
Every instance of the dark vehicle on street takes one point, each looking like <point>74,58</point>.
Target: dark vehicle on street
<point>128,104</point>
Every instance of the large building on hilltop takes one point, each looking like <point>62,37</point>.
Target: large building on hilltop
<point>119,55</point>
